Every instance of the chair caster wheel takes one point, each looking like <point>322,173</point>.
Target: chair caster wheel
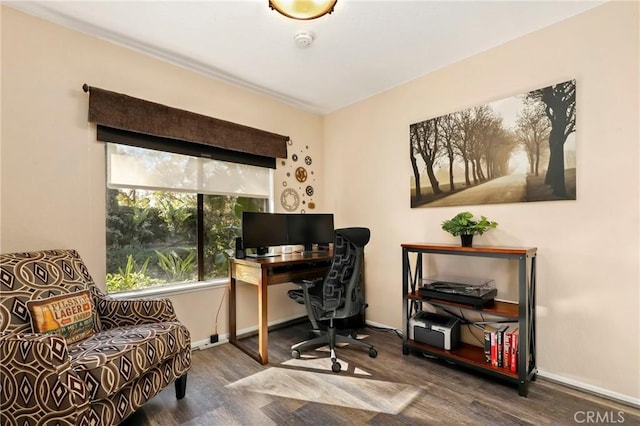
<point>353,335</point>
<point>295,353</point>
<point>373,353</point>
<point>336,367</point>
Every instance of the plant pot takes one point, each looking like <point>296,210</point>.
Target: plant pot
<point>467,240</point>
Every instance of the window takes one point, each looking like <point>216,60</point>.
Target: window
<point>173,218</point>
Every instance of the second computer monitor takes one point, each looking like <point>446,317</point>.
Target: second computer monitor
<point>263,230</point>
<point>310,228</point>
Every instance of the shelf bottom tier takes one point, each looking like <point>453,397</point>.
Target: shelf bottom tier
<point>468,355</point>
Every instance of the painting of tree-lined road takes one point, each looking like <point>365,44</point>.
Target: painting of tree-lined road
<point>519,149</point>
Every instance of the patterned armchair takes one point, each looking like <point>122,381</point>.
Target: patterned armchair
<point>133,350</point>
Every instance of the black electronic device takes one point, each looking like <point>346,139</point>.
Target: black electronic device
<point>263,230</point>
<point>239,248</point>
<point>477,293</point>
<point>310,228</point>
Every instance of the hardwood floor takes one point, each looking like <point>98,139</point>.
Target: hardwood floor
<point>219,391</point>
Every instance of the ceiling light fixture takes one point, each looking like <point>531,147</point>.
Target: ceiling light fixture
<point>303,9</point>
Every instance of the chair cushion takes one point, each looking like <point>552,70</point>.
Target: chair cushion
<point>70,315</point>
<point>111,359</point>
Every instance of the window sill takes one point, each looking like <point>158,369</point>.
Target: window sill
<point>171,289</point>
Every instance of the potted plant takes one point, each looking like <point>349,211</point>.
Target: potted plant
<point>464,225</point>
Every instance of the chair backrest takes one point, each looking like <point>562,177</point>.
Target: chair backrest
<point>342,290</point>
<point>37,275</point>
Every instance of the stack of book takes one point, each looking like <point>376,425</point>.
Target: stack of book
<point>501,346</point>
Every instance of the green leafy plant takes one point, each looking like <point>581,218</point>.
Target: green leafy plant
<point>177,268</point>
<point>130,278</point>
<point>464,224</point>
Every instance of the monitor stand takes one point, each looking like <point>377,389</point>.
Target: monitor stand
<point>263,252</point>
<point>308,248</point>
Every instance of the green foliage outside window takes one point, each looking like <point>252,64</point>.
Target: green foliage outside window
<point>130,277</point>
<point>158,230</point>
<point>178,269</point>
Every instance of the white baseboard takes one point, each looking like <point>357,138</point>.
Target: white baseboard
<point>206,343</point>
<point>224,338</point>
<point>380,325</point>
<point>605,393</point>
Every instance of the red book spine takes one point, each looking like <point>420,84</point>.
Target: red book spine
<point>494,348</point>
<point>514,352</point>
<point>506,357</point>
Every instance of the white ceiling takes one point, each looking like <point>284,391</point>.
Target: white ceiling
<point>363,48</point>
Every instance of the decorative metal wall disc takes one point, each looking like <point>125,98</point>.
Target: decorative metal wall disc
<point>299,195</point>
<point>301,174</point>
<point>290,199</point>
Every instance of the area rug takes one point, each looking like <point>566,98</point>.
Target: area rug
<point>330,388</point>
<point>310,362</point>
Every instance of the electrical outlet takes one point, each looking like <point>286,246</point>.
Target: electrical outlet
<point>214,338</point>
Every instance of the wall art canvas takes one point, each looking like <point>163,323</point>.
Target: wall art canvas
<point>518,149</point>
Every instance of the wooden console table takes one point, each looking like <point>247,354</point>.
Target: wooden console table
<point>263,272</point>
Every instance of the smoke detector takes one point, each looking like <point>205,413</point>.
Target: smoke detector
<point>303,38</point>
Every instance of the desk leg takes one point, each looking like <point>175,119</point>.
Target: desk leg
<point>263,331</point>
<point>232,306</point>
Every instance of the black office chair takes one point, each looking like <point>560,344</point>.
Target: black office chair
<point>337,296</point>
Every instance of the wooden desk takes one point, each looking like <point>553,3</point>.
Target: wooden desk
<point>266,271</point>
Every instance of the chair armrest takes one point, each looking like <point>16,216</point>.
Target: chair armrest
<point>307,284</point>
<point>38,382</point>
<point>311,297</point>
<point>122,312</point>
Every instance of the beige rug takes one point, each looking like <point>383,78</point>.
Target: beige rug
<point>329,388</point>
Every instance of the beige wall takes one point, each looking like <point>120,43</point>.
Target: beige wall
<point>52,177</point>
<point>588,249</point>
<point>53,170</point>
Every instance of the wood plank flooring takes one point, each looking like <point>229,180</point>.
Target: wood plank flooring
<point>444,394</point>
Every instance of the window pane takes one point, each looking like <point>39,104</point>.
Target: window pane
<point>151,238</point>
<point>222,223</point>
<point>219,177</point>
<point>152,220</point>
<point>132,167</point>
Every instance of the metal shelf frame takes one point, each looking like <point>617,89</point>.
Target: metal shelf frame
<point>412,275</point>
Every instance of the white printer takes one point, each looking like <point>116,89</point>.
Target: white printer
<point>437,330</point>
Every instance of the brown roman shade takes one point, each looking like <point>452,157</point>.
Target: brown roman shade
<point>125,119</point>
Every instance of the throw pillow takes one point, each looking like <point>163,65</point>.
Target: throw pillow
<point>70,315</point>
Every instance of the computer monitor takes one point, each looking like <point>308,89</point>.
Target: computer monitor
<point>262,230</point>
<point>310,228</point>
